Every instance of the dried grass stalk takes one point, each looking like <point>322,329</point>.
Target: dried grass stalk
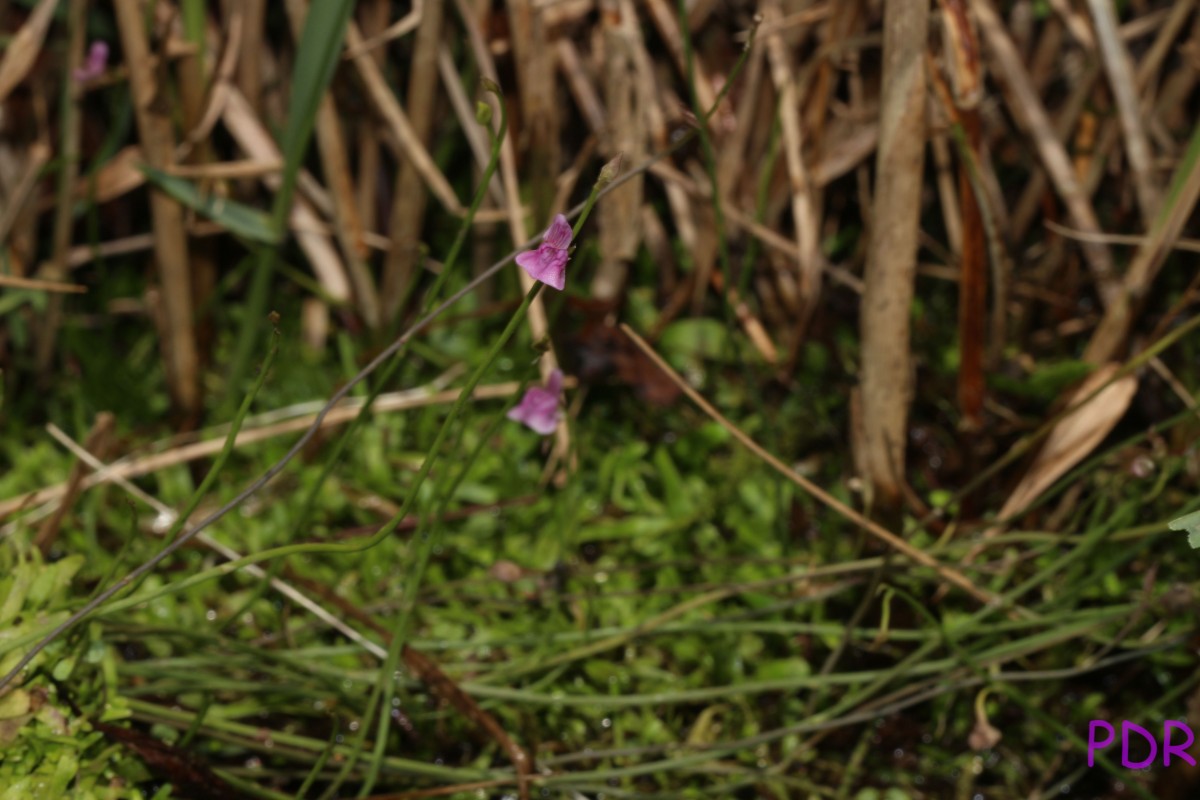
<point>618,218</point>
<point>170,239</point>
<point>56,269</point>
<point>1121,79</point>
<point>1027,108</point>
<point>311,235</point>
<point>804,215</point>
<point>887,387</point>
<point>409,201</point>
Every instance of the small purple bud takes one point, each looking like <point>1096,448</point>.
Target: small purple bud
<point>94,63</point>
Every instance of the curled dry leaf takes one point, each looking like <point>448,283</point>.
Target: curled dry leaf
<point>24,47</point>
<point>1074,437</point>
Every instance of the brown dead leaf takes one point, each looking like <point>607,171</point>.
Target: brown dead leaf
<point>1076,436</point>
<point>23,49</point>
<point>1072,439</point>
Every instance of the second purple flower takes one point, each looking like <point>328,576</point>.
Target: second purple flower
<point>538,409</point>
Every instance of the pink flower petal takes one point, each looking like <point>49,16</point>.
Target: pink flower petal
<point>554,382</point>
<point>539,408</point>
<point>94,63</point>
<point>548,263</point>
<point>559,234</point>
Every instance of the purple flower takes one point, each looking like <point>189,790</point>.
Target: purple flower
<point>548,263</point>
<point>94,63</point>
<point>538,409</point>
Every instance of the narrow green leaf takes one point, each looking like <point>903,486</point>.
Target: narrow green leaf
<point>239,219</point>
<point>319,47</point>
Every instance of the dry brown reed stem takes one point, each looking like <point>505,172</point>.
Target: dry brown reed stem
<point>98,442</point>
<point>192,77</point>
<point>804,217</point>
<point>403,138</point>
<point>886,375</point>
<point>477,138</point>
<point>1177,388</point>
<point>665,16</point>
<point>857,128</point>
<point>1171,103</point>
<point>1075,23</point>
<point>756,332</point>
<point>1029,206</point>
<point>55,270</point>
<point>1118,67</point>
<point>226,170</point>
<point>346,222</point>
<point>311,234</point>
<point>618,221</point>
<point>848,145</point>
<point>83,254</point>
<point>537,124</point>
<point>13,282</point>
<point>341,414</point>
<point>732,161</point>
<point>1114,328</point>
<point>1044,56</point>
<point>702,252</point>
<point>374,16</point>
<point>1164,43</point>
<point>1152,62</point>
<point>1186,245</point>
<point>704,255</point>
<point>170,239</point>
<point>252,48</point>
<point>335,166</point>
<point>406,24</point>
<point>36,156</point>
<point>514,213</point>
<point>939,147</point>
<point>962,58</point>
<point>1027,108</point>
<point>844,21</point>
<point>401,264</point>
<point>947,573</point>
<point>569,180</point>
<point>580,84</point>
<point>744,221</point>
<point>222,80</point>
<point>656,130</point>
